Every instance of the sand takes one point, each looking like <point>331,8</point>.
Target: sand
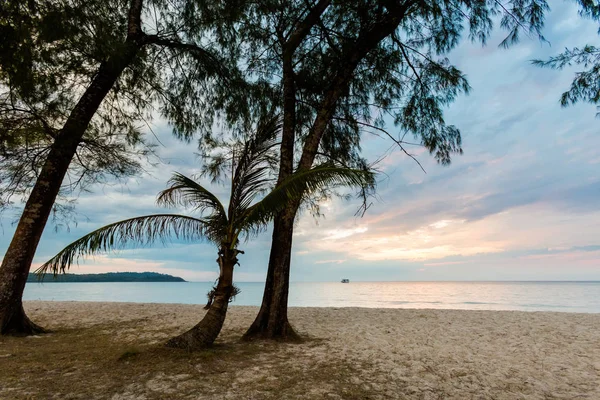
<point>114,351</point>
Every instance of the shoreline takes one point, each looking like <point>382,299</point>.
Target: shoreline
<point>354,353</point>
<point>315,307</point>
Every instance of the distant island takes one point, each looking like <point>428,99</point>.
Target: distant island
<point>107,277</point>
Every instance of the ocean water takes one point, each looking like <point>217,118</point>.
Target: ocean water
<point>524,296</point>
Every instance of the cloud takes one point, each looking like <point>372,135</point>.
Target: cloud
<point>330,261</point>
<point>344,233</point>
<point>437,264</point>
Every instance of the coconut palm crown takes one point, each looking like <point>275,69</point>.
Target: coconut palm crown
<point>250,163</point>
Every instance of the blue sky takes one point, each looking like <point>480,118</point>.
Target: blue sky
<point>522,203</point>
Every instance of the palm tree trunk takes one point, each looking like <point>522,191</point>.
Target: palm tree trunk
<point>17,261</point>
<point>272,319</point>
<point>205,333</point>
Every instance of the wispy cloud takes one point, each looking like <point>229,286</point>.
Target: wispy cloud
<point>329,261</point>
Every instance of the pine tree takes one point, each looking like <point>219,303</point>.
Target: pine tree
<point>585,87</point>
<point>340,68</point>
<point>77,79</point>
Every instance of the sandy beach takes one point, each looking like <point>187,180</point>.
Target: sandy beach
<point>113,351</point>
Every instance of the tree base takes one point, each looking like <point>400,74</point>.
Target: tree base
<point>261,331</point>
<point>18,324</point>
<point>188,341</point>
<point>201,336</point>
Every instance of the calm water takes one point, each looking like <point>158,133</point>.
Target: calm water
<point>526,296</point>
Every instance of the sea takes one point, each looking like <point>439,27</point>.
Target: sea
<point>581,297</point>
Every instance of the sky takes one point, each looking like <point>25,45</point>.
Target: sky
<point>522,203</point>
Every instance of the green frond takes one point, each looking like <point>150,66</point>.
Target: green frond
<point>186,192</point>
<point>252,175</point>
<point>299,184</point>
<point>145,230</point>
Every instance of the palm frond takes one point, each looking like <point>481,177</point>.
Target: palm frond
<point>297,185</point>
<point>186,192</point>
<point>144,230</point>
<point>254,166</point>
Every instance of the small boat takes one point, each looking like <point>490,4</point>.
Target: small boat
<point>345,280</point>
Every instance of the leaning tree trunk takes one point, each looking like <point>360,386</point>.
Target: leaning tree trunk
<point>17,261</point>
<point>272,319</point>
<point>205,333</point>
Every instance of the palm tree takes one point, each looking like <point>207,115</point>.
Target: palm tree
<point>250,163</point>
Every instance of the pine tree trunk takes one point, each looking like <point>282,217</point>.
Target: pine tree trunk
<point>205,333</point>
<point>272,319</point>
<point>17,261</point>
